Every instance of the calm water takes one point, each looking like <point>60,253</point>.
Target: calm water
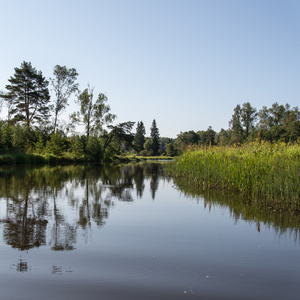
<point>89,232</point>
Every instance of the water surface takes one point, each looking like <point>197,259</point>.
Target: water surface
<point>88,232</point>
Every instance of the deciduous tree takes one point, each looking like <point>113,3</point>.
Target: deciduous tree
<point>63,85</point>
<point>236,129</point>
<point>248,116</point>
<point>93,115</point>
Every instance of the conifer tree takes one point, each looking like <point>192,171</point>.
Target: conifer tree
<point>154,138</point>
<point>139,138</point>
<point>28,95</point>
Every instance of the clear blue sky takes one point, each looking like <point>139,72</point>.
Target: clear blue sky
<point>184,63</point>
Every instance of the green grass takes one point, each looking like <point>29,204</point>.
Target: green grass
<point>263,173</point>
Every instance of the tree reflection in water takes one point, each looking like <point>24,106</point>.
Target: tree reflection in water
<point>48,205</point>
<point>63,199</point>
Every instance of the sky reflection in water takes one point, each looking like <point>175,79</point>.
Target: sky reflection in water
<point>129,233</point>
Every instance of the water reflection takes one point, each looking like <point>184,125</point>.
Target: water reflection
<point>56,201</point>
<point>47,205</point>
<point>282,221</point>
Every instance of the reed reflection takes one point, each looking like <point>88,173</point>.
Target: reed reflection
<point>252,212</point>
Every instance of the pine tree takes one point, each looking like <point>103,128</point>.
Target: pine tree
<point>139,138</point>
<point>155,138</point>
<point>28,95</point>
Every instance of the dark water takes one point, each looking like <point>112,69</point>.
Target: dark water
<point>89,232</point>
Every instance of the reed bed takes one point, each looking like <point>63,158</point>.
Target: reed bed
<point>266,173</point>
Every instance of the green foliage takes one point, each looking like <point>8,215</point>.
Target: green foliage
<point>7,159</point>
<point>20,138</point>
<point>76,147</point>
<point>93,115</point>
<point>148,151</point>
<point>28,95</point>
<point>55,145</point>
<point>139,138</point>
<point>39,145</point>
<point>170,150</point>
<point>248,116</point>
<point>259,171</point>
<point>236,128</point>
<point>64,85</point>
<point>121,134</point>
<point>6,137</point>
<point>154,134</point>
<point>94,148</point>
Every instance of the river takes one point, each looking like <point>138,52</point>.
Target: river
<point>130,232</point>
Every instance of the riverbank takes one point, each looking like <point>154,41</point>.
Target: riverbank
<point>263,173</point>
<point>19,158</point>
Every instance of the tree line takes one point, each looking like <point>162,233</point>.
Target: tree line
<point>247,124</point>
<point>276,123</point>
<point>33,122</point>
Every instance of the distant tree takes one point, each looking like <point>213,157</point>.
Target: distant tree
<point>121,133</point>
<point>277,114</point>
<point>292,125</point>
<point>163,141</point>
<point>55,145</point>
<point>222,137</point>
<point>147,148</point>
<point>202,137</point>
<point>19,137</point>
<point>185,139</point>
<point>263,119</point>
<point>248,116</point>
<point>170,149</point>
<point>139,138</point>
<point>76,146</point>
<point>28,95</point>
<point>6,137</point>
<point>154,134</point>
<point>39,145</point>
<point>63,85</point>
<point>236,129</point>
<point>93,148</point>
<point>211,135</point>
<point>93,115</point>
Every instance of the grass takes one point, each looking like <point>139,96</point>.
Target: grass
<point>264,173</point>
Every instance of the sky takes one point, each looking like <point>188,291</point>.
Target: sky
<point>184,63</point>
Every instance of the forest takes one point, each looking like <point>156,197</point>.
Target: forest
<point>34,127</point>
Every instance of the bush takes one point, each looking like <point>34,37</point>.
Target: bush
<point>7,159</point>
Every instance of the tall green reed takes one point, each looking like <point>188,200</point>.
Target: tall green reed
<point>262,172</point>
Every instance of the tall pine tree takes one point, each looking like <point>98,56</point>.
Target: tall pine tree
<point>28,95</point>
<point>155,138</point>
<point>139,138</point>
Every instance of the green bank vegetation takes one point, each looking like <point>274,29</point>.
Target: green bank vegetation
<point>34,131</point>
<point>263,173</point>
